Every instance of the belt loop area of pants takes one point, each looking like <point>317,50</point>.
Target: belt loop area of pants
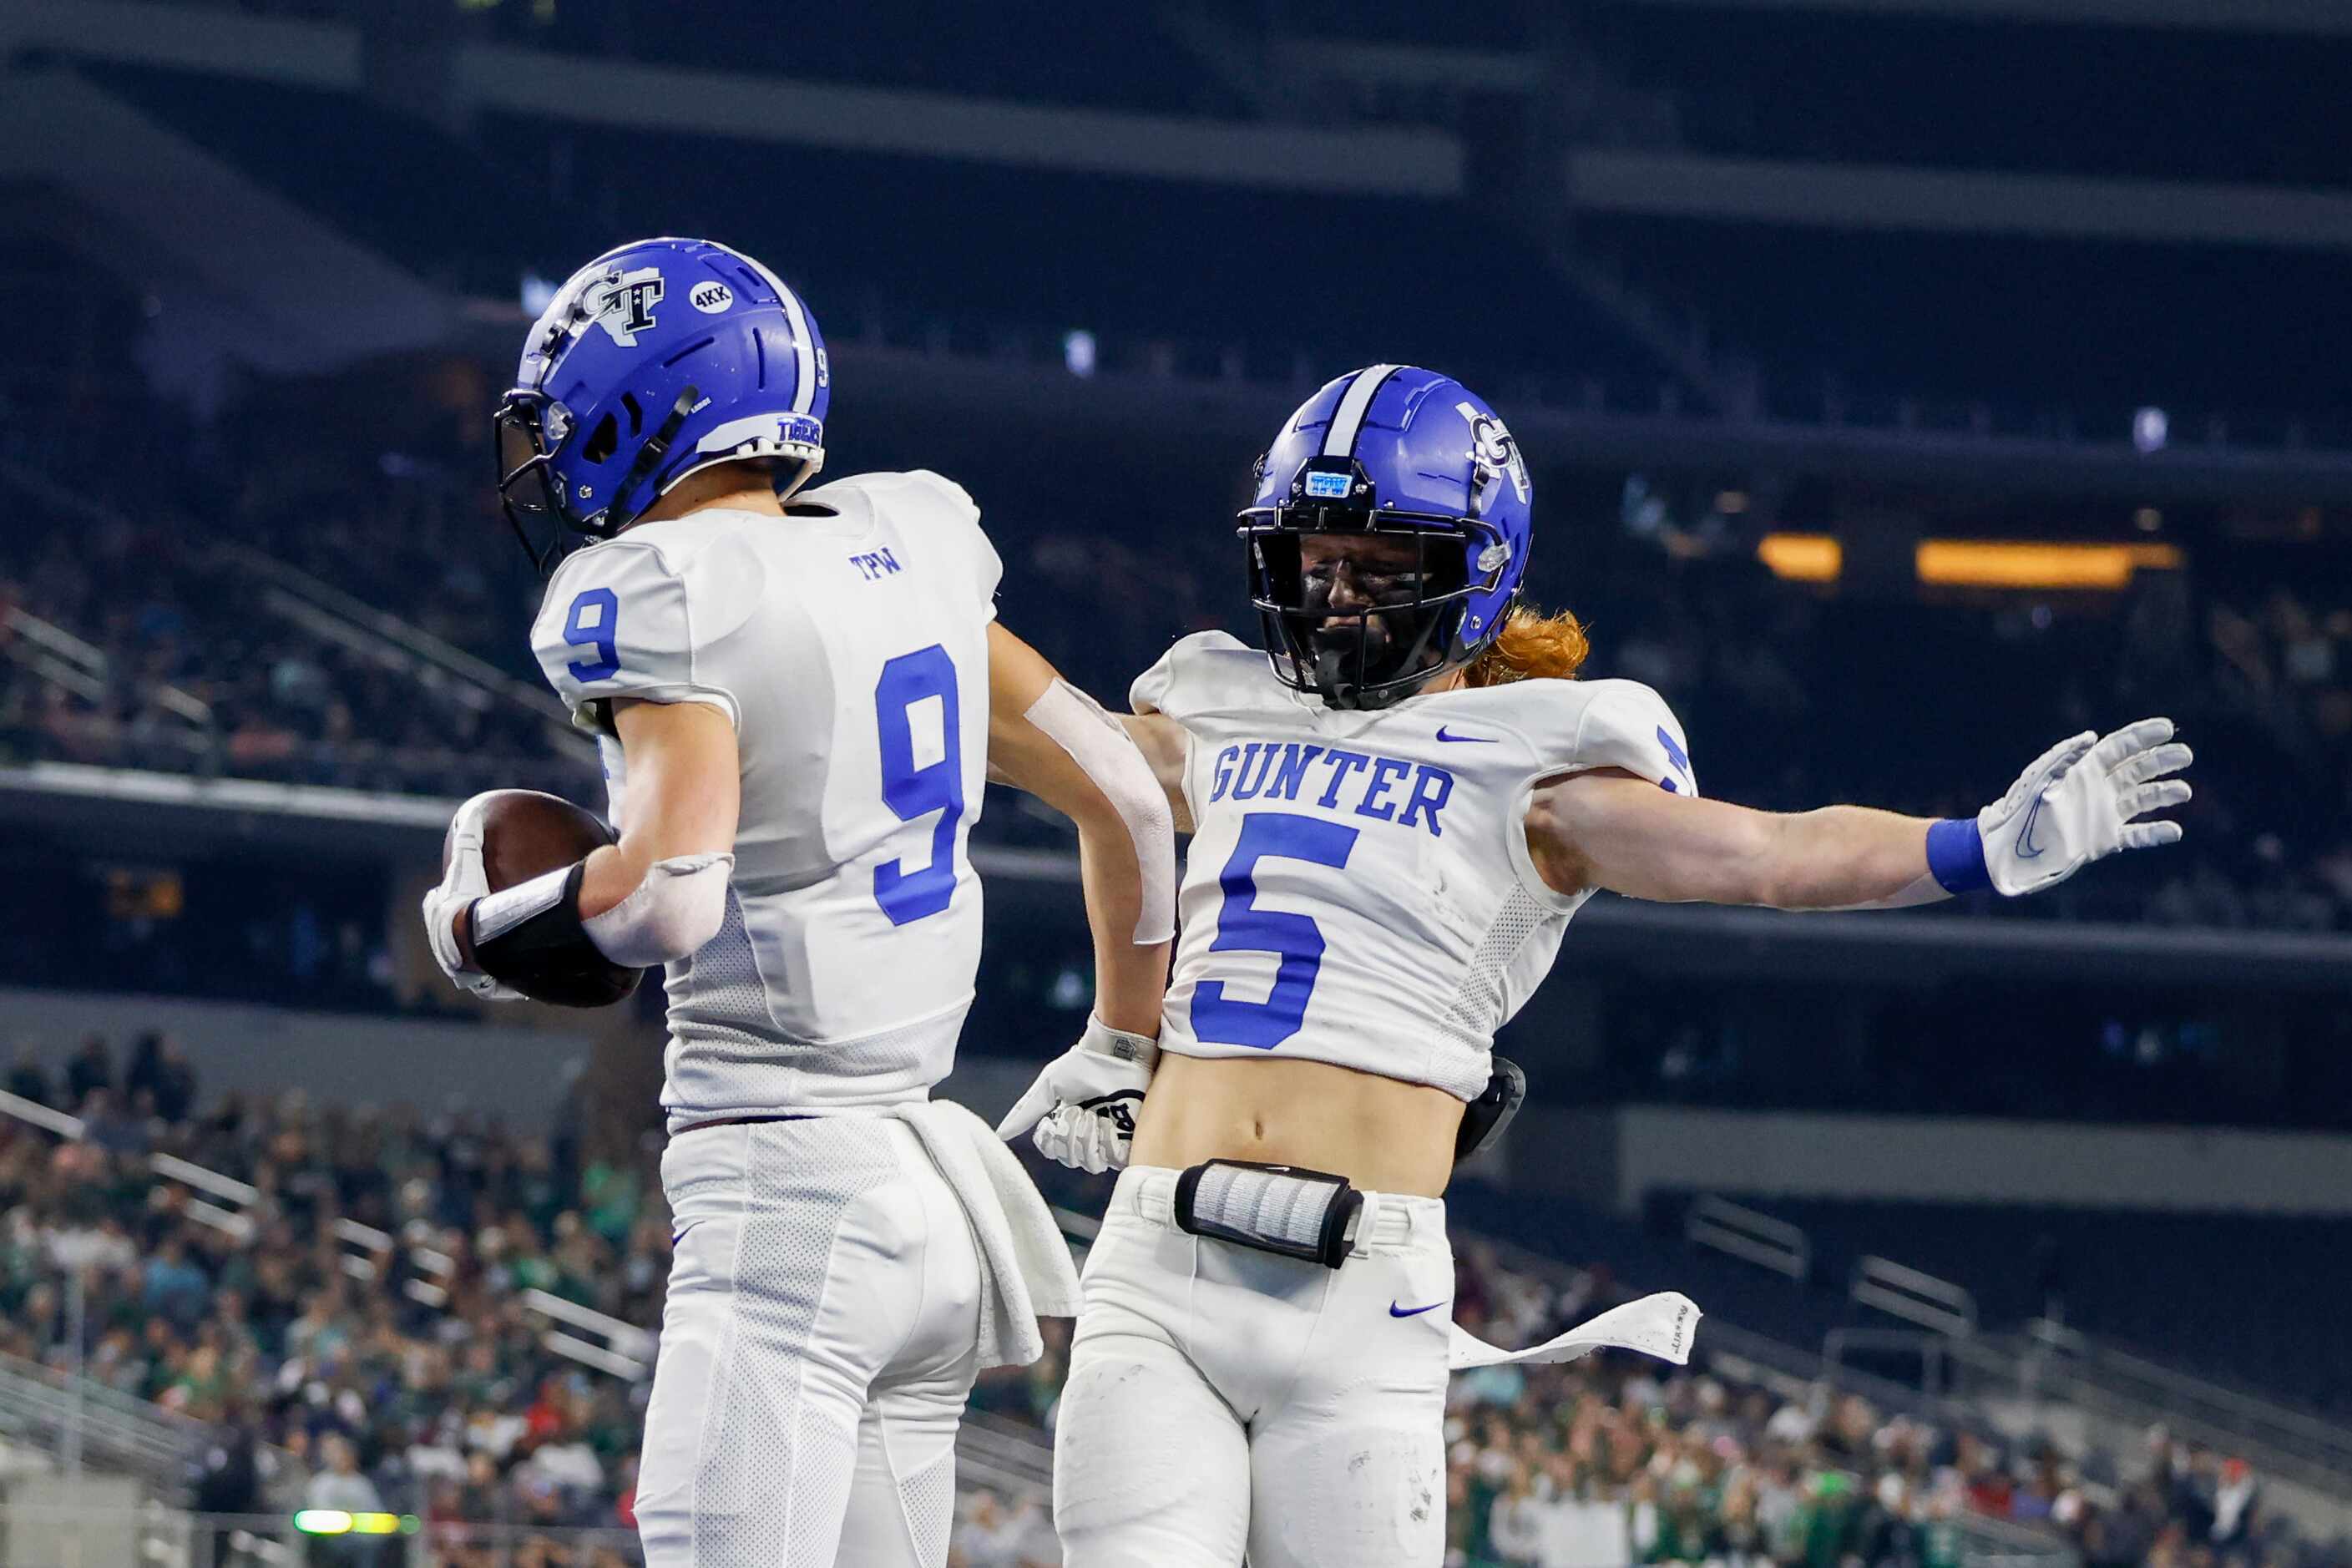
<point>1153,1195</point>
<point>1385,1221</point>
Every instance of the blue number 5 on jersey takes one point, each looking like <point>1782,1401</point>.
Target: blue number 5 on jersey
<point>1243,927</point>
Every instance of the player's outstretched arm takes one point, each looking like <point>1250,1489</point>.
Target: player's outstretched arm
<point>2076,803</point>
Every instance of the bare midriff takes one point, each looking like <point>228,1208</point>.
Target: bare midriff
<point>1382,1134</point>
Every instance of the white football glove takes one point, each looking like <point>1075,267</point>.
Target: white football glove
<point>1084,1103</point>
<point>2077,802</point>
<point>462,882</point>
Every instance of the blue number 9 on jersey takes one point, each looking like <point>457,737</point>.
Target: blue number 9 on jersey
<point>912,792</point>
<point>1243,927</point>
<point>592,624</point>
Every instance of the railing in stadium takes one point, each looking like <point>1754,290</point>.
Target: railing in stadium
<point>1915,1296</point>
<point>320,609</point>
<point>2129,1392</point>
<point>1741,1231</point>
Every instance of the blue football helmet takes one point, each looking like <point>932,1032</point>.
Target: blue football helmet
<point>656,360</point>
<point>1398,453</point>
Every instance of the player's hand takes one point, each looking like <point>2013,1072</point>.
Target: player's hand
<point>2079,801</point>
<point>462,881</point>
<point>1084,1103</point>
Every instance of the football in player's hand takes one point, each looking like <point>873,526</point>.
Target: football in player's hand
<point>527,833</point>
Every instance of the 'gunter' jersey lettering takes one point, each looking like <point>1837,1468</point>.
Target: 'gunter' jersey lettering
<point>1358,889</point>
<point>850,652</point>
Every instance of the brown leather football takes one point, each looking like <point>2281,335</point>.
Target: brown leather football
<point>527,833</point>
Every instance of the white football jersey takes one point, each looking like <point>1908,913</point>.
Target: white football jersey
<point>1358,889</point>
<point>851,654</point>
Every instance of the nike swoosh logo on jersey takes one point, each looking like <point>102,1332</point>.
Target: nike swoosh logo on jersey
<point>2026,848</point>
<point>1481,739</point>
<point>1397,1311</point>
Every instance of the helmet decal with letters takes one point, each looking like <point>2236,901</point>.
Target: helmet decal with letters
<point>1495,448</point>
<point>624,305</point>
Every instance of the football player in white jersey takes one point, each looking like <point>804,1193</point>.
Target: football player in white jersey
<point>1396,807</point>
<point>797,692</point>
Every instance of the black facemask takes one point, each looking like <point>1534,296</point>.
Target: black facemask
<point>1360,628</point>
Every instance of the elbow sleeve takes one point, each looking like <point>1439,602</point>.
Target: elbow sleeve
<point>677,908</point>
<point>1099,744</point>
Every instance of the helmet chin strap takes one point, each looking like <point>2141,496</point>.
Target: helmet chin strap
<point>650,455</point>
<point>1331,677</point>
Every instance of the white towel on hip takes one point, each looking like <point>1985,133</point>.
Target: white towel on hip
<point>1026,1267</point>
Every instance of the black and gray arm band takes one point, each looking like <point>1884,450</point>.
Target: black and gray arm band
<point>531,937</point>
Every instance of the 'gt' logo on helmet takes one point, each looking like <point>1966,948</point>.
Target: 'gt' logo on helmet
<point>1495,450</point>
<point>623,306</point>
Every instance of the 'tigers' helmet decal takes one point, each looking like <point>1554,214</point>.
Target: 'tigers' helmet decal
<point>1419,462</point>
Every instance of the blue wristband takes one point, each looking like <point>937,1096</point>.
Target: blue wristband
<point>1956,854</point>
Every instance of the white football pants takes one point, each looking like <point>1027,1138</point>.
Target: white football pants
<point>819,1340</point>
<point>1222,1399</point>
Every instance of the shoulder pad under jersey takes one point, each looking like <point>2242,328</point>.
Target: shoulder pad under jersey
<point>631,617</point>
<point>1577,725</point>
<point>1626,725</point>
<point>1205,673</point>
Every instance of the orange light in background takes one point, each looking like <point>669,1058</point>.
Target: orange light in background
<point>2007,563</point>
<point>1803,557</point>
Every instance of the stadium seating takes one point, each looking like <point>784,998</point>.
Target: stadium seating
<point>189,664</point>
<point>2244,1296</point>
<point>1226,279</point>
<point>376,1289</point>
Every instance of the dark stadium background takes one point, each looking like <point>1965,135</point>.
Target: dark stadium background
<point>2022,1232</point>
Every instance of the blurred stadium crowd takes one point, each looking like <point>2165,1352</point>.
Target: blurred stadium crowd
<point>349,1387</point>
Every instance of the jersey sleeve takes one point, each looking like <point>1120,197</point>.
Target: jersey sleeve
<point>1626,725</point>
<point>622,619</point>
<point>1194,677</point>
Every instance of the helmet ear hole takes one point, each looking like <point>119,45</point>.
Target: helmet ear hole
<point>603,441</point>
<point>636,414</point>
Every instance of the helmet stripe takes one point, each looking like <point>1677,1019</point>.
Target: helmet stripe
<point>1348,419</point>
<point>803,351</point>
